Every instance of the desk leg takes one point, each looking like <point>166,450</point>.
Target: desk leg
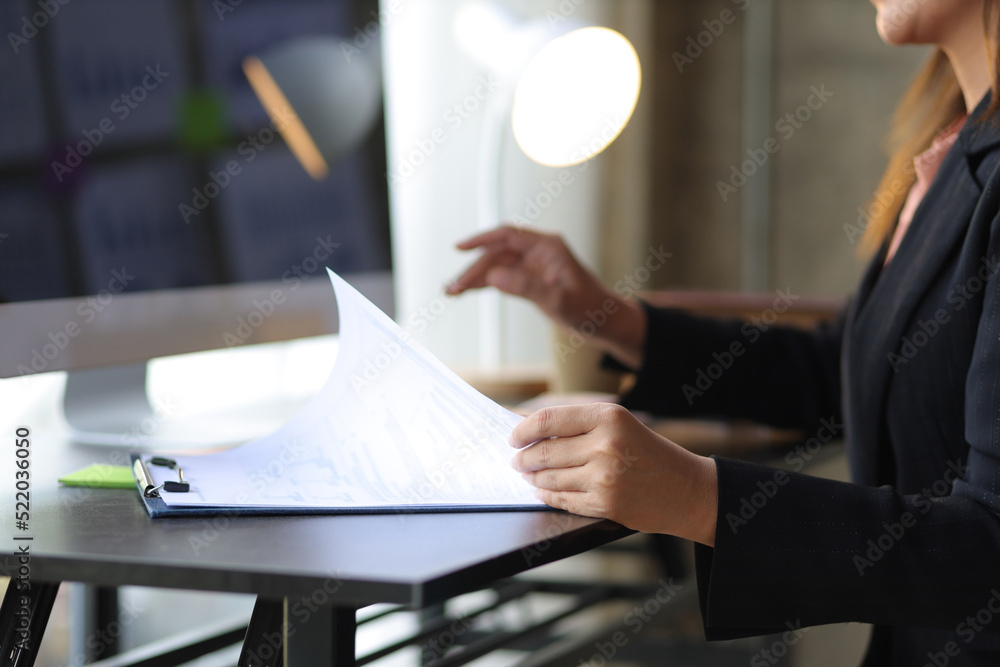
<point>321,637</point>
<point>97,607</point>
<point>263,644</point>
<point>15,649</point>
<point>426,615</point>
<point>286,633</point>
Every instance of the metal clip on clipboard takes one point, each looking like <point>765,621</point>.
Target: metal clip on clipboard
<point>152,490</point>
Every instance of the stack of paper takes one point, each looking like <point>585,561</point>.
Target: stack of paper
<point>393,429</point>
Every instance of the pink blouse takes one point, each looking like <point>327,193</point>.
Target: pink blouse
<point>926,165</point>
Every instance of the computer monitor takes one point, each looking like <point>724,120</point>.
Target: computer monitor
<point>149,206</point>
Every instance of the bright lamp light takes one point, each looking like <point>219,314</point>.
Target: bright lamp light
<point>576,96</point>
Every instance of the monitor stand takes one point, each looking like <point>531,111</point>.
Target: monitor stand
<point>103,405</point>
<point>110,406</point>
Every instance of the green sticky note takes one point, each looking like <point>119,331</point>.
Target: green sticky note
<point>101,476</point>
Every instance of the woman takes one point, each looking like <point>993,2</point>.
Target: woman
<point>910,372</point>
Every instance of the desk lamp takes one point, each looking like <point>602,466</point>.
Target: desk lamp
<point>568,90</point>
<point>322,94</point>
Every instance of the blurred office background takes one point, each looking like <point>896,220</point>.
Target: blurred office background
<point>820,176</point>
<point>658,184</point>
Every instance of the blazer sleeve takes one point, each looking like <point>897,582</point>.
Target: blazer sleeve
<point>776,375</point>
<point>791,548</point>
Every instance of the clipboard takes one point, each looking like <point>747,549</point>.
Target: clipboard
<point>393,430</point>
<point>149,494</point>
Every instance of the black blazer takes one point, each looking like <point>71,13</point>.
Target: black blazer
<point>910,373</point>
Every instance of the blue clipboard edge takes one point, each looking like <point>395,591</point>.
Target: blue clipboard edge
<point>156,508</point>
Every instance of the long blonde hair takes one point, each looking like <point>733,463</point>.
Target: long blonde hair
<point>933,101</point>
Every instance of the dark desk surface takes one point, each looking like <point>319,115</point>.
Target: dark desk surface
<point>104,536</point>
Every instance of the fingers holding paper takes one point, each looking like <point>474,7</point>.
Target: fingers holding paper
<point>598,460</point>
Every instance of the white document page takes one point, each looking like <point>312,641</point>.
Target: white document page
<point>392,427</point>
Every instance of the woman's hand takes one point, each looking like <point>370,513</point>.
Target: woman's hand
<point>540,268</point>
<point>598,460</point>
